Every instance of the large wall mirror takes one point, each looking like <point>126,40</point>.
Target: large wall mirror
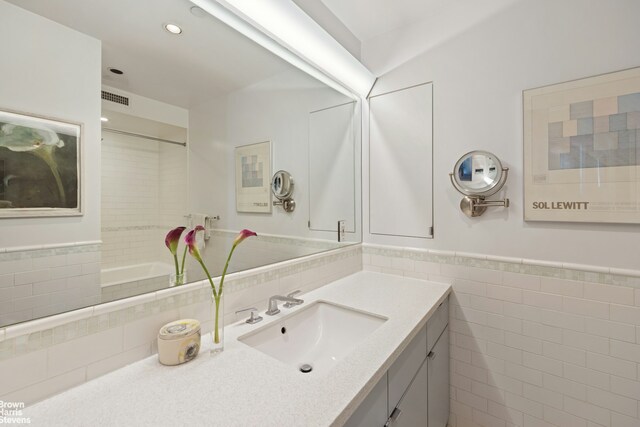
<point>165,120</point>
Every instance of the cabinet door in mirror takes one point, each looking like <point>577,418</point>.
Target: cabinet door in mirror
<point>332,156</point>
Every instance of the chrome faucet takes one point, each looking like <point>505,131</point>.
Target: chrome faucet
<point>289,299</point>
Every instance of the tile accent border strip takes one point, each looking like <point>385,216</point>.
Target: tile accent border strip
<point>291,240</point>
<point>558,270</point>
<point>20,339</point>
<point>39,251</point>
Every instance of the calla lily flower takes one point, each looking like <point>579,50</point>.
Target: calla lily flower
<point>173,238</point>
<point>243,235</point>
<point>191,242</point>
<point>22,138</point>
<point>38,142</point>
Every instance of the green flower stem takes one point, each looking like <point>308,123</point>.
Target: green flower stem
<point>184,257</point>
<point>175,260</point>
<point>216,329</point>
<point>216,295</point>
<point>224,272</point>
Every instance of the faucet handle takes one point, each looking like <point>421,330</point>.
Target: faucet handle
<point>291,295</point>
<point>254,318</point>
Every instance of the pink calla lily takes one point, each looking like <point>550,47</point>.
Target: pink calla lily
<point>173,238</point>
<point>243,235</point>
<point>191,242</point>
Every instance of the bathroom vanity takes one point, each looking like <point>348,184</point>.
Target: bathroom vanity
<point>395,371</point>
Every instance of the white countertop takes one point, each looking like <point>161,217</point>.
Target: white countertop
<point>244,387</point>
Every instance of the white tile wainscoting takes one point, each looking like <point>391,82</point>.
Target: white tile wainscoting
<point>534,343</point>
<point>43,357</point>
<point>38,281</point>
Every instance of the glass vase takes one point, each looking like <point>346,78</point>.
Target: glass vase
<point>177,279</point>
<point>217,330</point>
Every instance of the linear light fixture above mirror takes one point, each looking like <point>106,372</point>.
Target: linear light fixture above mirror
<point>284,29</point>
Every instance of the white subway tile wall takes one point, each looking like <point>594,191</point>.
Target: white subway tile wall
<point>143,196</point>
<point>37,282</point>
<point>41,358</point>
<point>534,345</point>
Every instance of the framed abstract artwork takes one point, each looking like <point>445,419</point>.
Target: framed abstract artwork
<point>39,166</point>
<point>582,150</point>
<point>253,178</point>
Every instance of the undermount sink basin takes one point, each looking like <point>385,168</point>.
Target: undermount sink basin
<point>315,337</point>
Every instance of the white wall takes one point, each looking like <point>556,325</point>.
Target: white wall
<point>35,80</point>
<point>147,108</point>
<point>478,77</point>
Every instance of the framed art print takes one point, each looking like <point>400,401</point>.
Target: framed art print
<point>253,178</point>
<point>39,166</point>
<point>582,150</point>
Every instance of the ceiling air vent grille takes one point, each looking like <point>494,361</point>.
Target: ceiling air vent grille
<point>118,99</point>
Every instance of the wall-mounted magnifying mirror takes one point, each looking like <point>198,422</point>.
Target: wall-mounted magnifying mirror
<point>282,188</point>
<point>477,175</point>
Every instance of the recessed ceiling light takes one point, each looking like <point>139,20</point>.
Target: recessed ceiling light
<point>104,119</point>
<point>173,28</point>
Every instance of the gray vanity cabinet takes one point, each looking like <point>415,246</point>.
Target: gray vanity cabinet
<point>373,410</point>
<point>438,373</point>
<point>405,367</point>
<point>414,392</point>
<point>412,409</point>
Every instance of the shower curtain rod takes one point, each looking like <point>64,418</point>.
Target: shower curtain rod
<point>139,135</point>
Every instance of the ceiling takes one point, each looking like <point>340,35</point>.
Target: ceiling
<point>208,59</point>
<point>369,18</point>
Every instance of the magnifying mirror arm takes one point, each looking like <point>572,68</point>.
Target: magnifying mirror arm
<point>474,206</point>
<point>489,203</point>
<point>289,205</point>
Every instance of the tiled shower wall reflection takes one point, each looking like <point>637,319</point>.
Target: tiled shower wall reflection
<point>533,345</point>
<point>143,196</point>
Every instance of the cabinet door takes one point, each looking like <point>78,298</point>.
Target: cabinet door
<point>413,406</point>
<point>372,412</point>
<point>400,163</point>
<point>436,324</point>
<point>405,367</point>
<point>438,367</point>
